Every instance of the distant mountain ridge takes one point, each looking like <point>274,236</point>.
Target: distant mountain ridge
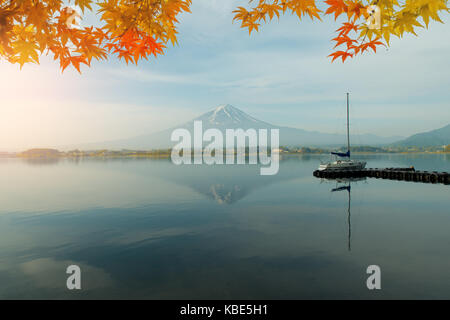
<point>229,117</point>
<point>438,137</point>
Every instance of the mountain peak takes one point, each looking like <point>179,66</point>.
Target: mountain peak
<point>228,115</point>
<point>224,107</point>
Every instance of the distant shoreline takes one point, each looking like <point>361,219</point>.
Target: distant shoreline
<point>44,153</point>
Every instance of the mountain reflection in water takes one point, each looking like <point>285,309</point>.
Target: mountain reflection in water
<point>145,228</point>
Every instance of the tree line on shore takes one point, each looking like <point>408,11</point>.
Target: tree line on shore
<point>54,153</point>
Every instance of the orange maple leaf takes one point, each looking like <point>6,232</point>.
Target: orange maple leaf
<point>343,54</point>
<point>346,28</point>
<point>337,7</point>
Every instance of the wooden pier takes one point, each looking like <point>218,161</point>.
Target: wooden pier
<point>402,174</point>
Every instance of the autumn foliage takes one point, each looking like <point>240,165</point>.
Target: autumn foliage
<point>134,30</point>
<point>354,36</point>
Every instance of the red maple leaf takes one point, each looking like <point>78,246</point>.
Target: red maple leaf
<point>343,54</point>
<point>337,7</point>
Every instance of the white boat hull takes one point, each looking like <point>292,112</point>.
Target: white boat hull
<point>340,165</point>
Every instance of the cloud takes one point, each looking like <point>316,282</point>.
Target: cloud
<point>151,77</point>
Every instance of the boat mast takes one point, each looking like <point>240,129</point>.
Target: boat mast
<point>349,220</point>
<point>348,129</point>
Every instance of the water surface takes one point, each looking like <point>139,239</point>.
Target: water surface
<point>147,229</point>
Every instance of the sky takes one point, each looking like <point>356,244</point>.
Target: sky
<point>280,75</point>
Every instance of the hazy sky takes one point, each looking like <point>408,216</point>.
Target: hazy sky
<point>280,75</point>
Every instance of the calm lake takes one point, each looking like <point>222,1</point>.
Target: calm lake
<point>145,228</point>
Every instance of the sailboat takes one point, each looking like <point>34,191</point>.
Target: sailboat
<point>346,163</point>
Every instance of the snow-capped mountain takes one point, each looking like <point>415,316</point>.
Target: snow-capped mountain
<point>228,117</point>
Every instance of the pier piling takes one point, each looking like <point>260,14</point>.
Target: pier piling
<point>400,174</point>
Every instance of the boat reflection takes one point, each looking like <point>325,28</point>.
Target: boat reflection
<point>344,184</point>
